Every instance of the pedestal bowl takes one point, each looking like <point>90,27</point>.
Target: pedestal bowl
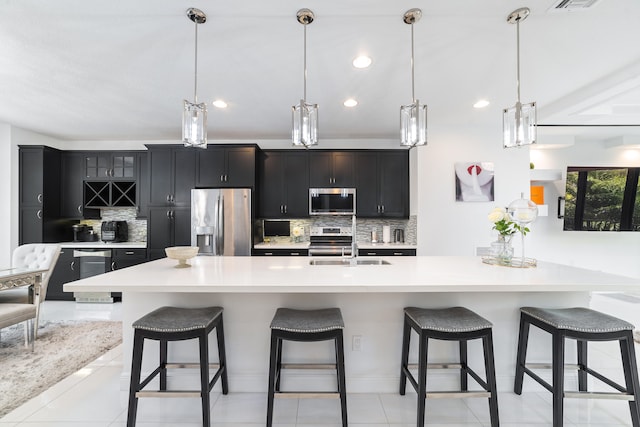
<point>182,254</point>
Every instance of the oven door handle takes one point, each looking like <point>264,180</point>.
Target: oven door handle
<point>101,254</point>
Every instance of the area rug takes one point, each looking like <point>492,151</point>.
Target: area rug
<point>61,349</point>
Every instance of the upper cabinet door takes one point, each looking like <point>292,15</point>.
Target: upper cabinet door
<point>31,177</point>
<point>226,167</point>
<point>367,194</point>
<point>123,166</point>
<point>393,172</point>
<point>160,176</point>
<point>110,165</point>
<point>331,169</point>
<point>184,176</point>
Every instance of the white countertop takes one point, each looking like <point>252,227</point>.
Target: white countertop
<point>99,244</point>
<point>295,275</point>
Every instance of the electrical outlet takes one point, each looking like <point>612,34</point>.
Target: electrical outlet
<point>356,343</point>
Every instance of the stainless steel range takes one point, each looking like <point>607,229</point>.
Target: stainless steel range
<point>330,241</point>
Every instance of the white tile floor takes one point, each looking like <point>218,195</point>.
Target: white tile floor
<point>92,396</point>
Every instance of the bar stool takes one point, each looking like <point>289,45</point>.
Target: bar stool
<point>449,324</point>
<point>305,326</point>
<point>583,325</point>
<point>176,324</point>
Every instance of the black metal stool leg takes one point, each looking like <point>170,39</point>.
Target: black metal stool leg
<point>272,377</point>
<point>163,364</point>
<point>404,361</point>
<point>558,378</point>
<point>342,388</point>
<point>582,364</point>
<point>222,357</point>
<point>204,378</point>
<point>490,371</point>
<point>279,363</point>
<point>422,378</point>
<point>630,367</point>
<point>523,341</point>
<point>464,383</point>
<point>134,383</point>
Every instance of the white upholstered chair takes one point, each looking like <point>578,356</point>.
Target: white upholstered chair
<point>17,305</point>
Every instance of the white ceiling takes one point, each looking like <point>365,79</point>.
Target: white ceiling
<point>119,69</point>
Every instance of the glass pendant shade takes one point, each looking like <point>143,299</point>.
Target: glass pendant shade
<point>519,125</point>
<point>194,124</point>
<point>305,124</point>
<point>413,125</point>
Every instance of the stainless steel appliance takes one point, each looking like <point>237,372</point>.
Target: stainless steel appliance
<point>332,201</point>
<point>83,233</point>
<point>91,262</point>
<point>221,221</point>
<point>398,235</point>
<point>330,241</point>
<point>114,231</point>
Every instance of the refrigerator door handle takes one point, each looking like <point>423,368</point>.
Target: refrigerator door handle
<point>221,226</point>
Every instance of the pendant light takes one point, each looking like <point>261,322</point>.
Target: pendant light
<point>413,117</point>
<point>304,131</point>
<point>519,121</point>
<point>194,115</point>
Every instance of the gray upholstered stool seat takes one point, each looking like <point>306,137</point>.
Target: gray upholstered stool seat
<point>289,324</point>
<point>451,319</point>
<point>582,325</point>
<point>578,319</point>
<point>448,324</point>
<point>307,321</point>
<point>177,319</point>
<point>169,324</point>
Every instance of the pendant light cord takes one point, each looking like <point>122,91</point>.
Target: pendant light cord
<point>413,97</point>
<point>304,97</point>
<point>518,58</point>
<point>195,78</point>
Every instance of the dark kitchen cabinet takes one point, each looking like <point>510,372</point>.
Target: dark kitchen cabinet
<point>39,196</point>
<point>73,173</point>
<point>382,184</point>
<point>65,271</point>
<point>386,252</point>
<point>283,183</point>
<point>110,165</point>
<point>103,194</point>
<point>167,226</point>
<point>123,258</point>
<point>280,252</point>
<point>226,167</point>
<point>331,169</point>
<point>171,175</point>
<point>143,186</point>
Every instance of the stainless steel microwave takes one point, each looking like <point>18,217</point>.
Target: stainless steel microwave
<point>332,201</point>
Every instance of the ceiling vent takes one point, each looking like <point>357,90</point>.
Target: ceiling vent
<point>571,5</point>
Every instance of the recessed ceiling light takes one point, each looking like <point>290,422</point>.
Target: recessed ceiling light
<point>362,61</point>
<point>350,102</point>
<point>481,104</point>
<point>219,103</point>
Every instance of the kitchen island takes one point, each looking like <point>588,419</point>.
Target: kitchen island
<point>371,298</point>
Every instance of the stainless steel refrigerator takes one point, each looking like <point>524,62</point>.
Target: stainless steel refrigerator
<point>221,221</point>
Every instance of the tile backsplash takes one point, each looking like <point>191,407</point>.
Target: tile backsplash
<point>137,227</point>
<point>363,227</point>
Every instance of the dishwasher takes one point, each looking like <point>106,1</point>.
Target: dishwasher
<point>91,262</point>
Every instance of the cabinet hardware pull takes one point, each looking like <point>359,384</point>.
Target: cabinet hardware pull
<point>168,198</point>
<point>382,208</point>
<point>295,253</point>
<point>113,266</point>
<point>226,178</point>
<point>73,263</point>
<point>285,208</point>
<point>398,253</point>
<point>168,214</point>
<point>560,200</point>
<point>80,209</point>
<point>39,214</point>
<point>129,253</point>
<point>372,253</point>
<point>39,197</point>
<point>268,253</point>
<point>221,178</point>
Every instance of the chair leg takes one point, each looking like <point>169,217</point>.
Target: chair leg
<point>582,365</point>
<point>523,338</point>
<point>279,364</point>
<point>558,379</point>
<point>404,360</point>
<point>630,367</point>
<point>134,383</point>
<point>464,384</point>
<point>422,378</point>
<point>341,376</point>
<point>275,341</point>
<point>204,378</point>
<point>163,364</point>
<point>490,371</point>
<point>222,357</point>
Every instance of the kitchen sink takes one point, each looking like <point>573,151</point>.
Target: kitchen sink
<point>347,261</point>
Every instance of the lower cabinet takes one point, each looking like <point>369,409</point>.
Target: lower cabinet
<point>167,226</point>
<point>280,252</point>
<point>123,258</point>
<point>65,271</point>
<point>386,252</point>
